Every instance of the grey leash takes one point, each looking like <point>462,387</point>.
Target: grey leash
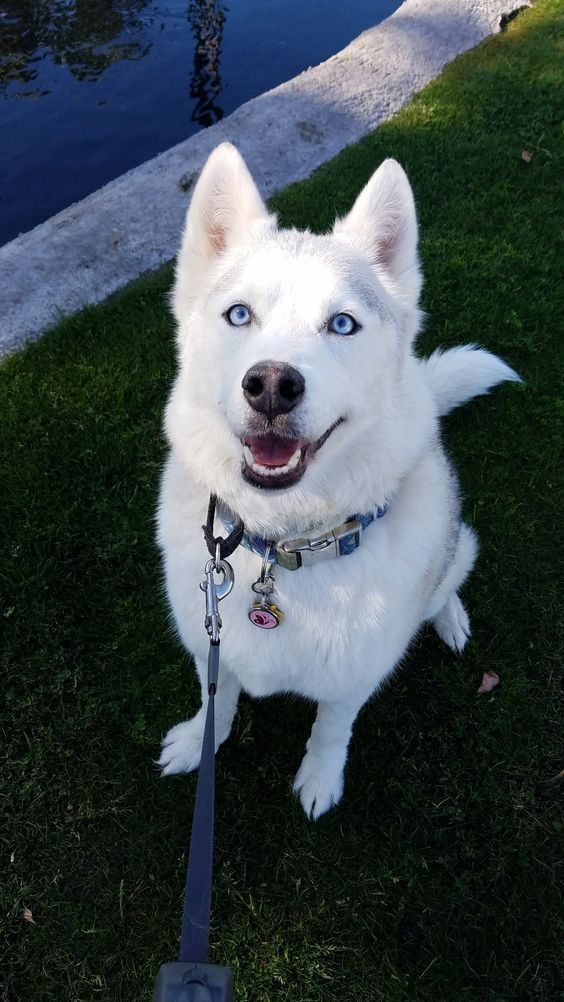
<point>191,978</point>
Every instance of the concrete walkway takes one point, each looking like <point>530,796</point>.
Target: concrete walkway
<point>133,224</point>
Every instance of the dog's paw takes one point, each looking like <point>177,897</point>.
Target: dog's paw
<point>182,747</point>
<point>452,624</point>
<point>319,785</point>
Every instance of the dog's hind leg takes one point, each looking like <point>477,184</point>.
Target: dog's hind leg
<point>446,611</point>
<point>452,623</point>
<point>182,745</point>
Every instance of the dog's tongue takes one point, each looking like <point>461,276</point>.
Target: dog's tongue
<point>271,450</point>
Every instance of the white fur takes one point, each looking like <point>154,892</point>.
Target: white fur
<point>348,621</point>
<point>458,374</point>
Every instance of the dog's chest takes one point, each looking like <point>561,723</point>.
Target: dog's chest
<point>340,628</point>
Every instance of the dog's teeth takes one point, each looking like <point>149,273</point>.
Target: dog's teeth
<point>248,455</point>
<point>293,462</point>
<point>270,471</point>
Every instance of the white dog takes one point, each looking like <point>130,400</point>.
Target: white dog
<point>299,402</point>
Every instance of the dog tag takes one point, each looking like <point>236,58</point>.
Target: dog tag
<point>265,615</point>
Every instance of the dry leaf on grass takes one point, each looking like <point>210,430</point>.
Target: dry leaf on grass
<point>490,679</point>
<point>28,916</point>
<point>526,156</point>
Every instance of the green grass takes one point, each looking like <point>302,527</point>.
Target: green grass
<point>437,878</point>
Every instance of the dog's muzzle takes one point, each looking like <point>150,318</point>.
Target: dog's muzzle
<point>272,460</point>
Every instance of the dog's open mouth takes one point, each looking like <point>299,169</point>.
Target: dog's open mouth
<point>275,461</point>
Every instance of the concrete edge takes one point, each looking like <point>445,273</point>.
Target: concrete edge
<point>133,224</point>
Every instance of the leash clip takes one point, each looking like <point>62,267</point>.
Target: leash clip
<point>215,592</point>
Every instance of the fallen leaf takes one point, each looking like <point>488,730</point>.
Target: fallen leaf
<point>13,858</point>
<point>526,156</point>
<point>490,679</point>
<point>28,916</point>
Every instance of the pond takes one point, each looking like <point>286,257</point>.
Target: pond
<point>91,88</point>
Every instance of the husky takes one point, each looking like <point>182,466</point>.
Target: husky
<point>300,404</point>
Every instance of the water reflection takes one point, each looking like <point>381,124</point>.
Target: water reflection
<point>118,81</point>
<point>88,36</point>
<point>84,35</point>
<point>206,18</point>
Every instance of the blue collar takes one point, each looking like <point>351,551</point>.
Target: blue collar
<point>305,551</point>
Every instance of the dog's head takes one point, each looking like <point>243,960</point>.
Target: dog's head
<point>298,400</point>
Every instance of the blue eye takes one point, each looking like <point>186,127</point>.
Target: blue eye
<point>238,315</point>
<point>343,323</point>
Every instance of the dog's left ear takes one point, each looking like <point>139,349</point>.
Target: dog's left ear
<point>383,224</point>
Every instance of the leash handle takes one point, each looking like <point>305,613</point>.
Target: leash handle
<point>178,982</point>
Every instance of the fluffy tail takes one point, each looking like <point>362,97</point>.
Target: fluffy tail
<point>458,374</point>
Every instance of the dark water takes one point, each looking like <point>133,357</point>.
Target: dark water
<point>90,88</point>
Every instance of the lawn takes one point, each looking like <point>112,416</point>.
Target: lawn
<point>437,877</point>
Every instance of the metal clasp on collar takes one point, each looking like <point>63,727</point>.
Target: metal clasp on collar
<point>305,551</point>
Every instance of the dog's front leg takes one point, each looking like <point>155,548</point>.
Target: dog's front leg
<point>320,778</point>
<point>182,746</point>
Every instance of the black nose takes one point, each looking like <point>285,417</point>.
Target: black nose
<point>273,388</point>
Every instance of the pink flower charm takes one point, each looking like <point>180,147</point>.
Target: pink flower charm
<point>263,618</point>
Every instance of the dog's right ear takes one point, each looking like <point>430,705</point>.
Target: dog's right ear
<point>225,203</point>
